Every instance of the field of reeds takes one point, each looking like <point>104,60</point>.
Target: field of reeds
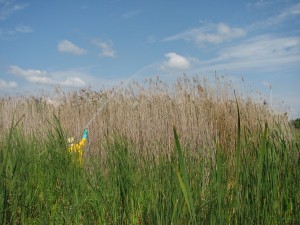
<point>191,152</point>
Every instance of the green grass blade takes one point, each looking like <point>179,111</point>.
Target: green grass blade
<point>182,178</point>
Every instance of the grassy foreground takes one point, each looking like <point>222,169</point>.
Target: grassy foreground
<point>257,183</point>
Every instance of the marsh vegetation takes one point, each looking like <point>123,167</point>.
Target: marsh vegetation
<point>186,153</point>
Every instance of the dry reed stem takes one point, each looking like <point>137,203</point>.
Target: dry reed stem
<point>203,113</point>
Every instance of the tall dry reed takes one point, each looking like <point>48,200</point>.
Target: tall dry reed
<point>204,113</point>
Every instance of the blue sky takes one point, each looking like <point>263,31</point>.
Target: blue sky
<point>95,43</point>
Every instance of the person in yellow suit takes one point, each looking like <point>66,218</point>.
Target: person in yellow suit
<point>76,148</point>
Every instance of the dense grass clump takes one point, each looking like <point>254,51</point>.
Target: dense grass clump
<point>258,183</point>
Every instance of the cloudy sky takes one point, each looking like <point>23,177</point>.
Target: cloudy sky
<point>83,43</point>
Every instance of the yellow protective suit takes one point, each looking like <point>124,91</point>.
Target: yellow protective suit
<point>77,149</point>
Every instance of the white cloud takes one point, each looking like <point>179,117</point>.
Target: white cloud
<point>8,34</point>
<point>223,33</point>
<point>33,76</point>
<point>265,48</point>
<point>70,78</point>
<point>65,78</point>
<point>40,80</point>
<point>175,61</point>
<point>73,82</point>
<point>293,10</point>
<point>261,3</point>
<point>106,48</point>
<point>27,73</point>
<point>265,53</point>
<point>23,29</point>
<point>7,85</point>
<point>67,46</point>
<point>209,34</point>
<point>8,7</point>
<point>285,14</point>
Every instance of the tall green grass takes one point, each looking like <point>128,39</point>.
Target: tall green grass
<point>257,183</point>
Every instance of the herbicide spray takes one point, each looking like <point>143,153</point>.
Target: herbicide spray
<point>77,147</point>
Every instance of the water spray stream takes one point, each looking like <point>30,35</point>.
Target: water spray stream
<point>135,75</point>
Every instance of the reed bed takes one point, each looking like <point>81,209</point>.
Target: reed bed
<point>203,112</point>
<point>41,184</point>
<point>191,152</point>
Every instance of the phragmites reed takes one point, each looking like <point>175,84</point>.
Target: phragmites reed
<point>204,114</point>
